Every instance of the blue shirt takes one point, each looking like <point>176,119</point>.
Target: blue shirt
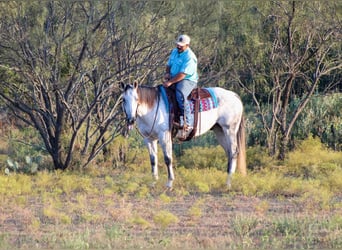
<point>185,62</point>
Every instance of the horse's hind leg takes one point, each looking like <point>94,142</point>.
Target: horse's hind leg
<point>153,151</point>
<point>226,137</point>
<point>232,154</point>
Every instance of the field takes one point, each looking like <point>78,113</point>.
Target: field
<point>294,206</point>
<point>121,210</point>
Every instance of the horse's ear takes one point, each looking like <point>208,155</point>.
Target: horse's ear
<point>122,85</point>
<point>135,84</point>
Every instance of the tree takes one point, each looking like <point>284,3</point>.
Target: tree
<point>60,65</point>
<point>302,44</point>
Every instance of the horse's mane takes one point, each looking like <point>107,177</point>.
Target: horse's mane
<point>147,95</point>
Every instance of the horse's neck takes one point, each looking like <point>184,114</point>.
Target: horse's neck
<point>144,111</point>
<point>147,114</point>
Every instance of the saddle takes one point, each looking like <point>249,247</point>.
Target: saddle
<point>196,95</point>
<point>199,93</point>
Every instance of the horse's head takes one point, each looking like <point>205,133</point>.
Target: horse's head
<point>130,102</point>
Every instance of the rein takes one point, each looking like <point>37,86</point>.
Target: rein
<point>154,120</point>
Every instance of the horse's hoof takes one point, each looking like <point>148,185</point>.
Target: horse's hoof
<point>153,185</point>
<point>168,190</point>
<point>229,182</point>
<point>169,184</point>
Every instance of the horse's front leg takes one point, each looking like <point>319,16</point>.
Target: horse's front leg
<point>166,144</point>
<point>153,151</point>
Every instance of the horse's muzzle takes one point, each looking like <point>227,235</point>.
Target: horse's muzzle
<point>130,123</point>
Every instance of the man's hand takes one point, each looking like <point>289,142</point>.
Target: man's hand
<point>166,80</point>
<point>167,77</point>
<point>177,78</point>
<point>167,84</point>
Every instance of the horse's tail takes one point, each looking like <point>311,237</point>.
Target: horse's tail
<point>241,140</point>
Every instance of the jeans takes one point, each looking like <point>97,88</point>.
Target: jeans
<point>183,90</point>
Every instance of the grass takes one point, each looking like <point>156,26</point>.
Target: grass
<point>296,206</point>
<point>118,209</point>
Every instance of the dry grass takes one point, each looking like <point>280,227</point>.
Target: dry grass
<point>114,209</point>
<point>296,206</point>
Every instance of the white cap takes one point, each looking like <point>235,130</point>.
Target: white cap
<point>183,40</point>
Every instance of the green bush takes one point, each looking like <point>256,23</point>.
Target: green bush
<point>25,152</point>
<point>204,157</point>
<point>30,165</point>
<point>312,159</point>
<point>203,181</point>
<point>322,118</point>
<point>257,158</point>
<point>165,218</point>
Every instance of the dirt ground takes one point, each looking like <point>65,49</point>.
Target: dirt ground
<point>202,221</point>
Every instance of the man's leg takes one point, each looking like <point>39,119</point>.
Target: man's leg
<point>183,90</point>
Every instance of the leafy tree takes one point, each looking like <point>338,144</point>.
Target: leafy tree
<point>51,81</point>
<point>300,44</point>
<point>60,63</point>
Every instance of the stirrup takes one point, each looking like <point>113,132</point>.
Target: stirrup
<point>184,132</point>
<point>177,125</point>
<point>180,124</point>
<point>187,128</point>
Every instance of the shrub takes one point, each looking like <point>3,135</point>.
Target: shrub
<point>139,221</point>
<point>204,157</point>
<point>257,158</point>
<point>25,150</point>
<point>204,180</point>
<point>30,165</point>
<point>322,118</point>
<point>312,159</point>
<point>165,218</point>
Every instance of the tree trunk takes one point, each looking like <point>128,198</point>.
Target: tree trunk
<point>57,160</point>
<point>283,146</point>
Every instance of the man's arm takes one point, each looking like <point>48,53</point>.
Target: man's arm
<point>180,76</point>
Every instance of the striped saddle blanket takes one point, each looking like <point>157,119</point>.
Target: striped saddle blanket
<point>207,100</point>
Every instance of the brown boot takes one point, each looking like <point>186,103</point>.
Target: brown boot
<point>184,132</point>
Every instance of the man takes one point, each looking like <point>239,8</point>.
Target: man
<point>181,71</point>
